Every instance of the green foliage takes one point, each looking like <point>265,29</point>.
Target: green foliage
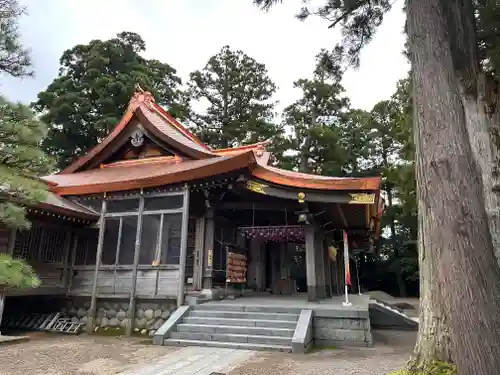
<point>14,58</point>
<point>21,162</point>
<point>318,120</point>
<point>92,91</point>
<point>434,368</point>
<point>238,91</point>
<point>15,273</point>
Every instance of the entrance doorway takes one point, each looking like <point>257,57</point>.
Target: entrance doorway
<point>285,268</point>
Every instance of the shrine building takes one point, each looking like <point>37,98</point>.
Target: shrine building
<point>152,219</point>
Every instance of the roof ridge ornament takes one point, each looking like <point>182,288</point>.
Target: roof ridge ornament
<point>139,97</point>
<point>138,88</point>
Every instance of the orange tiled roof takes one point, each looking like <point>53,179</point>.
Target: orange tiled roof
<point>164,170</point>
<point>136,175</point>
<point>309,181</point>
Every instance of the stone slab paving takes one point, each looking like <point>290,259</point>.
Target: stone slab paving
<point>195,361</point>
<point>11,339</point>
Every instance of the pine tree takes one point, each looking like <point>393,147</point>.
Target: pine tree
<point>14,58</point>
<point>315,117</point>
<point>22,162</point>
<point>238,91</point>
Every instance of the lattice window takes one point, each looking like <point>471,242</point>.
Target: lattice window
<point>41,244</point>
<point>86,248</point>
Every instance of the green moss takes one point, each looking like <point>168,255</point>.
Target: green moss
<point>434,368</point>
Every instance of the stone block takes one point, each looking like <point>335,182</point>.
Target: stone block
<point>141,323</point>
<point>139,314</point>
<point>113,322</point>
<point>121,315</point>
<point>149,314</point>
<point>111,313</point>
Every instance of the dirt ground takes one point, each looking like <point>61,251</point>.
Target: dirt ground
<point>76,355</point>
<point>94,355</point>
<point>391,352</point>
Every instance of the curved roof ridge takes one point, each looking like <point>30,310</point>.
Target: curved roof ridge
<point>310,181</point>
<point>140,99</point>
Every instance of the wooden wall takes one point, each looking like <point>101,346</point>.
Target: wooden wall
<point>150,282</point>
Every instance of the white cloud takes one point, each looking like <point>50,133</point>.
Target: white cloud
<point>185,33</point>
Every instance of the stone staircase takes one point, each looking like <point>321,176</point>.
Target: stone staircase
<point>236,326</point>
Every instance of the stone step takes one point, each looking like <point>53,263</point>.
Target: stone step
<point>247,308</point>
<point>241,322</point>
<point>243,315</point>
<point>232,345</point>
<point>242,330</point>
<point>227,337</point>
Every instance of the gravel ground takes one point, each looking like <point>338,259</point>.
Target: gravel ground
<point>391,352</point>
<point>76,355</point>
<point>94,355</point>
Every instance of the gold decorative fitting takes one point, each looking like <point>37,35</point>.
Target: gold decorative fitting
<point>301,197</point>
<point>256,187</point>
<point>362,198</point>
<point>332,251</point>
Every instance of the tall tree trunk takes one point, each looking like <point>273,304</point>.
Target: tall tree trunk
<point>480,127</point>
<point>455,230</point>
<point>433,344</point>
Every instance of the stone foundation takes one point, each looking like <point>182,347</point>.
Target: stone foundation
<point>149,315</point>
<point>331,329</point>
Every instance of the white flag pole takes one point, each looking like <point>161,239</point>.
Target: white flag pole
<point>346,303</point>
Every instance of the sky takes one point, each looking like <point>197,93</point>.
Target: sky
<point>185,33</point>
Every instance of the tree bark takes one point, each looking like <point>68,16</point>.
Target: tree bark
<point>455,228</point>
<point>433,344</point>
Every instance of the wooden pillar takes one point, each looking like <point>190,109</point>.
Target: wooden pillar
<point>183,252</point>
<point>74,248</point>
<point>209,248</point>
<point>255,273</point>
<point>137,250</point>
<point>312,288</point>
<point>66,260</point>
<point>328,270</point>
<point>199,253</point>
<point>320,268</point>
<point>100,243</point>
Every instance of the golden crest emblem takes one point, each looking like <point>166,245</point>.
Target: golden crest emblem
<point>301,197</point>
